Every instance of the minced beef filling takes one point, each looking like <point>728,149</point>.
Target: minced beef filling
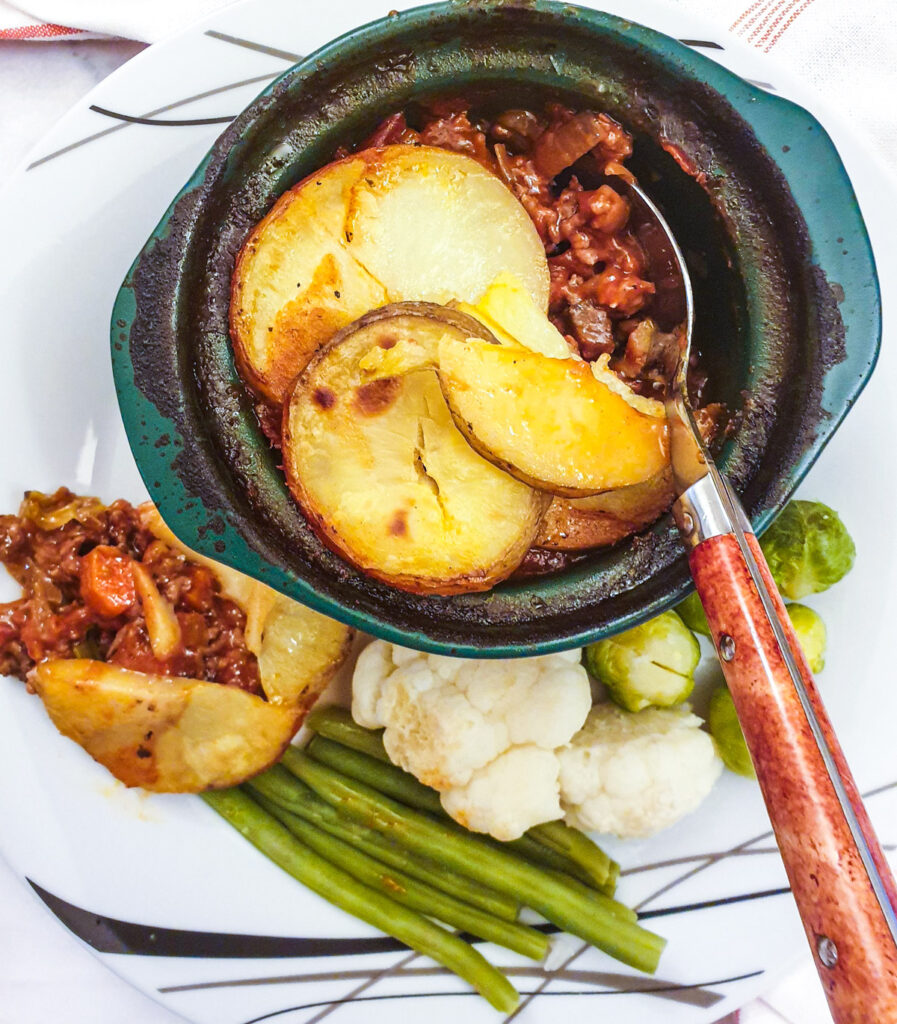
<point>72,557</point>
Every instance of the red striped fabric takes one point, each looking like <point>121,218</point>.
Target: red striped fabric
<point>763,22</point>
<point>40,32</point>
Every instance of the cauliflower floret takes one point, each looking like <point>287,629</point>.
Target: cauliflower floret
<point>453,723</point>
<point>635,774</point>
<point>515,791</point>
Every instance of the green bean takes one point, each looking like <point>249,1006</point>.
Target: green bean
<point>384,776</point>
<point>279,786</point>
<point>411,892</point>
<point>613,877</point>
<point>404,787</point>
<point>544,891</point>
<point>290,792</point>
<point>341,889</point>
<point>581,857</point>
<point>337,724</point>
<point>576,845</point>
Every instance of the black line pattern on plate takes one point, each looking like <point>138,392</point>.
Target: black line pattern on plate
<point>110,935</point>
<point>151,113</point>
<point>248,44</point>
<point>132,119</point>
<point>127,938</point>
<point>145,118</point>
<point>693,994</point>
<point>678,992</point>
<point>702,44</point>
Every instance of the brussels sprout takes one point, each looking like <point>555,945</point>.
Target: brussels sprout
<point>808,548</point>
<point>652,664</point>
<point>811,633</point>
<point>691,611</point>
<point>726,731</point>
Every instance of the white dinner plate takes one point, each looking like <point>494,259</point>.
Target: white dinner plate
<point>166,893</point>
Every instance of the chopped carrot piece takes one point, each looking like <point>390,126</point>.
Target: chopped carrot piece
<point>107,583</point>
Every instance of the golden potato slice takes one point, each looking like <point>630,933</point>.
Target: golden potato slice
<point>166,734</point>
<point>434,225</point>
<point>294,284</point>
<point>384,476</point>
<point>508,306</point>
<point>576,524</point>
<point>548,422</point>
<point>385,225</point>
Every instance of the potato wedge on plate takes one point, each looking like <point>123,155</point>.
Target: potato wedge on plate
<point>163,733</point>
<point>384,225</point>
<point>173,734</point>
<point>385,477</point>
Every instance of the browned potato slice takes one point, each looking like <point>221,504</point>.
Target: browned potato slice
<point>384,225</point>
<point>384,476</point>
<point>294,283</point>
<point>576,524</point>
<point>162,733</point>
<point>549,422</point>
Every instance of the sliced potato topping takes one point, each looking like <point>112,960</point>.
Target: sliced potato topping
<point>381,226</point>
<point>434,225</point>
<point>163,733</point>
<point>384,476</point>
<point>508,306</point>
<point>548,422</point>
<point>295,285</point>
<point>577,524</point>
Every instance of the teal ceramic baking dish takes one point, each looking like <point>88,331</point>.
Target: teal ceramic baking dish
<point>788,313</point>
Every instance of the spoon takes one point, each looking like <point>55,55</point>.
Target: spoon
<point>841,882</point>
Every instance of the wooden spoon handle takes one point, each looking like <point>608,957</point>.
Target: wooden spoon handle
<point>844,890</point>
